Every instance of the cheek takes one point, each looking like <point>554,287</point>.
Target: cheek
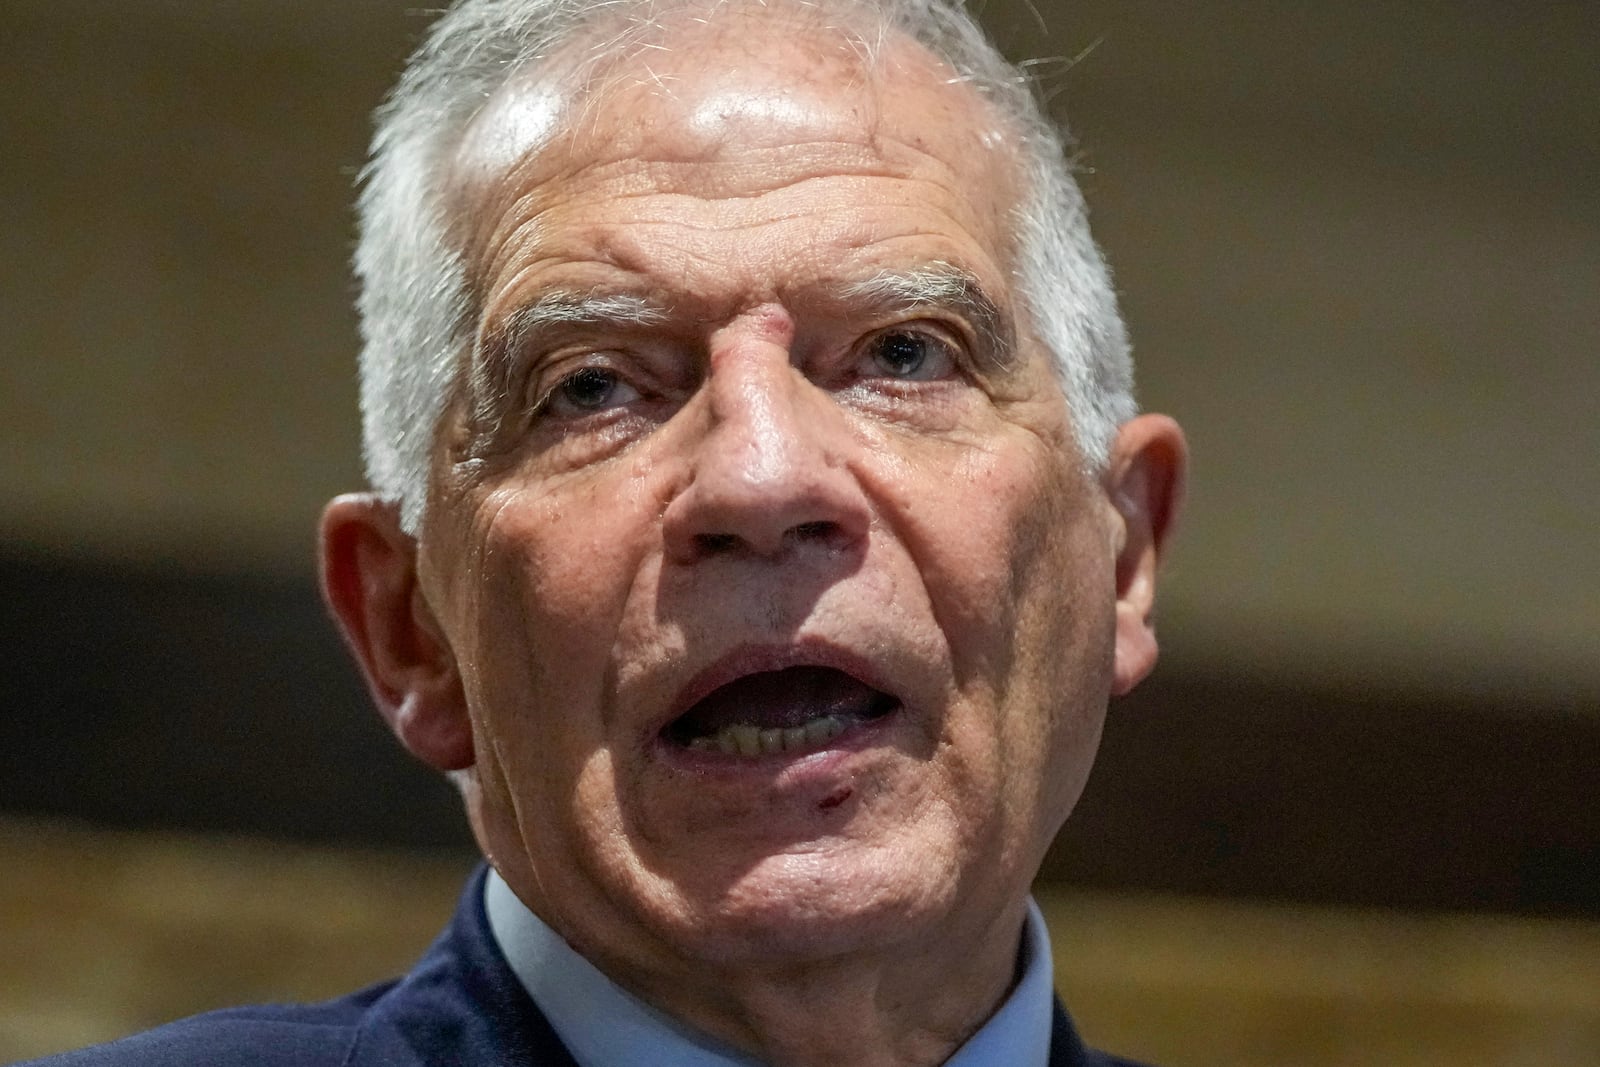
<point>538,627</point>
<point>1014,554</point>
<point>550,575</point>
<point>990,530</point>
<point>556,568</point>
<point>1065,629</point>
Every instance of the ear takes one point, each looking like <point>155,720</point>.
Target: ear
<point>369,580</point>
<point>1145,483</point>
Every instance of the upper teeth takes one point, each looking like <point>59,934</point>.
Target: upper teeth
<point>742,739</point>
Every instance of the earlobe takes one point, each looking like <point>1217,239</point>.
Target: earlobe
<point>369,580</point>
<point>1145,483</point>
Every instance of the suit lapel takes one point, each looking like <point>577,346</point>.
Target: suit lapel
<point>1066,1047</point>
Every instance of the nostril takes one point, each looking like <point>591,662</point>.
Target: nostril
<point>714,544</point>
<point>711,544</point>
<point>813,531</point>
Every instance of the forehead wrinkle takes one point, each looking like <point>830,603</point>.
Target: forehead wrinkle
<point>764,176</point>
<point>658,240</point>
<point>564,199</point>
<point>697,284</point>
<point>586,224</point>
<point>636,171</point>
<point>494,252</point>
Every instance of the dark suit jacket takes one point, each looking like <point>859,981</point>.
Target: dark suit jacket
<point>461,1004</point>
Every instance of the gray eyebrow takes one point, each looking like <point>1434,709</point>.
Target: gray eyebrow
<point>563,308</point>
<point>934,283</point>
<point>938,285</point>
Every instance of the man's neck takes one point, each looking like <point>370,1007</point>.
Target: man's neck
<point>862,1012</point>
<point>914,1010</point>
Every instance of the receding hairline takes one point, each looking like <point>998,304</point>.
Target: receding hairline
<point>612,47</point>
<point>586,69</point>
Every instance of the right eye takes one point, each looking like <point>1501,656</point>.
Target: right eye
<point>589,390</point>
<point>910,355</point>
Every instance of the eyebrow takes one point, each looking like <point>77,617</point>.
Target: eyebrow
<point>934,285</point>
<point>579,310</point>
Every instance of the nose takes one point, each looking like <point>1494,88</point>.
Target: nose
<point>770,471</point>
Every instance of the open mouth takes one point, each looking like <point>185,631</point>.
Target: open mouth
<point>790,711</point>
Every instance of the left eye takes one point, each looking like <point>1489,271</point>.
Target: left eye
<point>589,390</point>
<point>909,355</point>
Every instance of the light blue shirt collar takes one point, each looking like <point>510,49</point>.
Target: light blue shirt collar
<point>603,1025</point>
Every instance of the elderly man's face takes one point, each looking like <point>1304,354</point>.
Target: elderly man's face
<point>783,612</point>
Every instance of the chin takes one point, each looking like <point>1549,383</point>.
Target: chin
<point>816,905</point>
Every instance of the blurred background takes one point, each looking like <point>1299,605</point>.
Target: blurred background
<point>1351,819</point>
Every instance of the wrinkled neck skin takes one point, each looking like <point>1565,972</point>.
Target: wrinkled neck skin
<point>906,1010</point>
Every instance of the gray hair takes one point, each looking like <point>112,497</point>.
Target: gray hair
<point>416,305</point>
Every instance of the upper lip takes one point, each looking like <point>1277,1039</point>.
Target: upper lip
<point>746,660</point>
